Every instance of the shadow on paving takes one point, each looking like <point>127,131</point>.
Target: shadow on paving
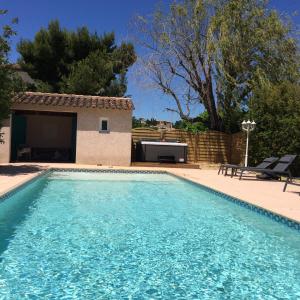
<point>11,170</point>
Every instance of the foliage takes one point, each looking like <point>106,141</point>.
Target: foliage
<point>251,46</point>
<point>151,122</point>
<point>276,110</point>
<point>215,52</point>
<point>147,123</point>
<point>195,125</point>
<point>8,83</point>
<point>136,123</point>
<point>77,61</point>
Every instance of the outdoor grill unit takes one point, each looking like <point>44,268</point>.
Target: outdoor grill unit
<point>152,151</point>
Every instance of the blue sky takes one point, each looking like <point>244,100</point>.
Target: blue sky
<point>105,16</point>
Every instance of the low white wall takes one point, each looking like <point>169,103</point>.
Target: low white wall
<point>5,147</point>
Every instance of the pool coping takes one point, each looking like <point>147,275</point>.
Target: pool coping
<point>254,207</point>
<point>22,184</point>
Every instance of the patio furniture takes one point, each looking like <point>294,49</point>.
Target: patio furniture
<point>290,180</point>
<point>266,163</point>
<point>51,154</point>
<point>282,168</point>
<point>24,152</point>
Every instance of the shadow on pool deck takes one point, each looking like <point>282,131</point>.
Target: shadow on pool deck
<point>11,170</point>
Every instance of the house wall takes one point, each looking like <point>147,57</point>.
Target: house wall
<point>92,147</point>
<point>113,148</point>
<point>5,146</point>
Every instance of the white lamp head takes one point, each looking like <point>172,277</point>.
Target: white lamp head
<point>252,125</point>
<point>244,125</point>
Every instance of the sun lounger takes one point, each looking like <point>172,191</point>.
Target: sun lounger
<point>266,163</point>
<point>282,168</point>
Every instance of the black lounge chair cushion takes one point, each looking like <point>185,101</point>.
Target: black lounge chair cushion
<point>284,163</point>
<point>287,158</point>
<point>281,168</point>
<point>271,159</point>
<point>265,164</point>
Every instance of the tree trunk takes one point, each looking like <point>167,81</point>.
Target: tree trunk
<point>210,106</point>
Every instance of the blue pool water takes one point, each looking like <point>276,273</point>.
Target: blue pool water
<point>73,235</point>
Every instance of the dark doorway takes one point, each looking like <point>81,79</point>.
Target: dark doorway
<point>43,136</point>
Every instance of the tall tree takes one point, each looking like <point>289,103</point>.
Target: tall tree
<point>213,52</point>
<point>7,79</point>
<point>252,47</point>
<point>276,109</point>
<point>77,61</point>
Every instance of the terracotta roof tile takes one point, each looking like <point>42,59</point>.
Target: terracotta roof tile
<point>68,100</point>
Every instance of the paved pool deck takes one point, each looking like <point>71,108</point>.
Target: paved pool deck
<point>265,194</point>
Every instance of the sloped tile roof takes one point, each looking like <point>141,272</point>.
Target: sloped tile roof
<point>69,100</point>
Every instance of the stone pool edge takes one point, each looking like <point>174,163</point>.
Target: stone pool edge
<point>22,184</point>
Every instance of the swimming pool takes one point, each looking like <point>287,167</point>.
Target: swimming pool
<point>82,235</point>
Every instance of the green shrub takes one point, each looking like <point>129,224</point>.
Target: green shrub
<point>276,110</point>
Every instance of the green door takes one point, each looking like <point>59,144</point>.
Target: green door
<point>18,134</point>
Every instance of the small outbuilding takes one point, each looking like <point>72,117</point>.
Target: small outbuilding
<point>48,127</point>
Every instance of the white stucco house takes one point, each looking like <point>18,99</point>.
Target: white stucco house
<point>68,128</point>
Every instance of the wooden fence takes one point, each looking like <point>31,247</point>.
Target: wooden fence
<point>208,147</point>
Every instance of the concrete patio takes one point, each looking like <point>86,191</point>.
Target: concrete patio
<point>265,194</point>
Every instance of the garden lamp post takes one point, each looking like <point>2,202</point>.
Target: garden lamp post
<point>247,126</point>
